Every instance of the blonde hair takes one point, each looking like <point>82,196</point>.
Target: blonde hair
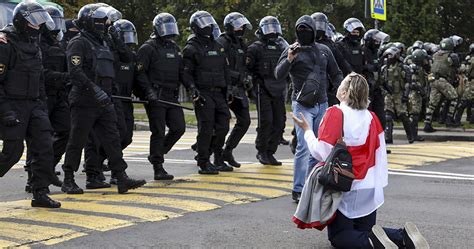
<point>357,90</point>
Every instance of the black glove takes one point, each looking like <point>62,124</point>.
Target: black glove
<point>114,34</point>
<point>101,97</point>
<point>229,96</point>
<point>151,97</point>
<point>248,82</point>
<point>197,98</point>
<point>9,119</point>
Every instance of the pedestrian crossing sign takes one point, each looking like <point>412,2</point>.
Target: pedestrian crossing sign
<point>378,9</point>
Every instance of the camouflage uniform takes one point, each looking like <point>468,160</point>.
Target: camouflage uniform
<point>394,78</point>
<point>417,97</point>
<point>444,72</point>
<point>467,95</point>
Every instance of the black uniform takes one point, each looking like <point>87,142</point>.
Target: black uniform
<point>235,49</point>
<point>23,108</point>
<point>261,59</point>
<point>160,67</point>
<point>205,67</point>
<point>372,74</point>
<point>91,67</point>
<point>353,53</point>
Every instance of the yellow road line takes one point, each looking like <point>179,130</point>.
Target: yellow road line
<point>227,197</point>
<point>186,205</point>
<point>6,243</point>
<point>145,214</point>
<point>427,159</point>
<point>264,171</point>
<point>236,180</point>
<point>32,233</point>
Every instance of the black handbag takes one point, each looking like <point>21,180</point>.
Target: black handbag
<point>308,96</point>
<point>337,170</point>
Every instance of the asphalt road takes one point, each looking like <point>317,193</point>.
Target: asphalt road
<point>437,196</point>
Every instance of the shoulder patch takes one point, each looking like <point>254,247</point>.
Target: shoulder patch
<point>2,68</point>
<point>139,66</point>
<point>76,60</point>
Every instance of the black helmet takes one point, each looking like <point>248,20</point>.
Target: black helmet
<point>269,25</point>
<point>457,40</point>
<point>447,44</point>
<point>127,31</point>
<point>471,48</point>
<point>164,24</point>
<point>32,13</point>
<point>202,23</point>
<point>88,14</point>
<point>400,46</point>
<point>236,20</point>
<point>320,21</point>
<point>391,52</point>
<point>417,44</point>
<point>376,37</point>
<point>58,18</point>
<point>419,56</point>
<point>352,24</point>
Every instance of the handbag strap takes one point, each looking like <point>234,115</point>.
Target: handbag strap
<point>341,139</point>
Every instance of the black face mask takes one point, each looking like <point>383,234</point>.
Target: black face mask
<point>239,33</point>
<point>32,33</point>
<point>271,36</point>
<point>392,61</point>
<point>305,37</point>
<point>354,38</point>
<point>206,31</point>
<point>320,34</point>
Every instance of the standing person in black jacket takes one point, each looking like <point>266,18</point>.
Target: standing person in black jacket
<point>261,59</point>
<point>206,76</point>
<point>307,62</point>
<point>160,73</point>
<point>23,108</point>
<point>91,67</point>
<point>235,25</point>
<point>351,47</point>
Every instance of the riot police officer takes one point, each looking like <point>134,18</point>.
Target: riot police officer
<point>467,97</point>
<point>350,45</point>
<point>261,59</point>
<point>418,89</point>
<point>91,67</point>
<point>322,36</point>
<point>444,69</point>
<point>206,76</point>
<point>159,72</point>
<point>23,108</point>
<point>235,25</point>
<point>395,75</point>
<point>373,40</point>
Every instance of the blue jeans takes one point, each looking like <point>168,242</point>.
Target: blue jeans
<point>303,159</point>
<point>354,233</point>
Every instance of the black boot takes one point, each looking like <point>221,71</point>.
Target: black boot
<point>41,199</point>
<point>113,179</point>
<point>207,168</point>
<point>69,185</point>
<point>95,182</point>
<point>125,183</point>
<point>160,172</point>
<point>229,158</point>
<point>263,158</point>
<point>273,160</point>
<point>451,123</point>
<point>55,180</point>
<point>407,127</point>
<point>220,165</point>
<point>414,128</point>
<point>428,128</point>
<point>460,110</point>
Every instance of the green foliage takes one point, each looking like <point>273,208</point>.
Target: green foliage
<point>408,20</point>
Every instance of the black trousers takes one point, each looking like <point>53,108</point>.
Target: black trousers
<point>94,153</point>
<point>60,119</point>
<point>34,127</point>
<point>240,108</point>
<point>377,105</point>
<point>271,122</point>
<point>127,108</point>
<point>103,122</point>
<point>213,120</point>
<point>161,116</point>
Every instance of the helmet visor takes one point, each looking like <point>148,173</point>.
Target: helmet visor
<point>216,31</point>
<point>39,17</point>
<point>381,37</point>
<point>59,23</point>
<point>269,28</point>
<point>165,29</point>
<point>240,22</point>
<point>130,37</point>
<point>323,26</point>
<point>353,24</point>
<point>205,21</point>
<point>106,11</point>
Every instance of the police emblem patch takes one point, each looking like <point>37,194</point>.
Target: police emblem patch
<point>139,66</point>
<point>2,68</point>
<point>76,60</point>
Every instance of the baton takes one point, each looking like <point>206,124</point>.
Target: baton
<point>130,99</point>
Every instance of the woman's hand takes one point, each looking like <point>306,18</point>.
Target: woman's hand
<point>303,123</point>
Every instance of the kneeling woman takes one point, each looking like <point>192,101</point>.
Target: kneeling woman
<point>354,224</point>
